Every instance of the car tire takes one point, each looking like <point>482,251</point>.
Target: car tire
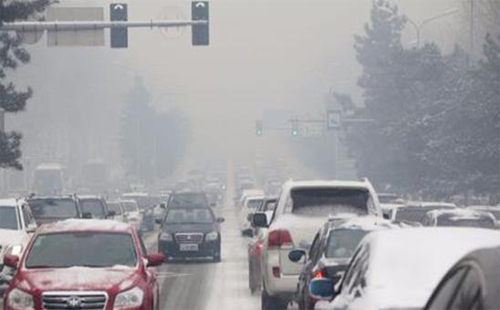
<point>271,302</point>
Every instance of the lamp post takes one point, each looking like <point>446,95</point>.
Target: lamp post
<point>418,27</point>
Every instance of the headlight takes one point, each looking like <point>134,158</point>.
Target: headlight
<point>165,236</point>
<point>212,236</point>
<point>130,298</point>
<point>18,299</point>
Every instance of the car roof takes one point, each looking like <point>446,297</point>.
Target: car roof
<point>11,202</point>
<point>368,223</point>
<point>82,225</point>
<point>429,251</point>
<point>425,204</point>
<point>70,197</point>
<point>89,197</point>
<point>292,185</point>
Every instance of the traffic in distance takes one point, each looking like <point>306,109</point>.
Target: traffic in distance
<point>272,155</point>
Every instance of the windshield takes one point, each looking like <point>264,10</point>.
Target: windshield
<point>93,206</point>
<point>189,216</point>
<point>64,250</point>
<point>8,218</point>
<point>329,201</point>
<point>188,200</point>
<point>53,208</point>
<point>342,243</point>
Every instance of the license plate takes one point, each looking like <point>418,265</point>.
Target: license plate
<point>188,247</point>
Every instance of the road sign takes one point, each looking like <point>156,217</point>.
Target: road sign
<point>333,119</point>
<point>118,36</point>
<point>68,37</point>
<point>200,33</point>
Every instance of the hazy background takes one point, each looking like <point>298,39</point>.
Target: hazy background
<point>263,55</point>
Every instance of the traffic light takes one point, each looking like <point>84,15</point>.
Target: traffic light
<point>258,128</point>
<point>200,34</point>
<point>295,128</point>
<point>119,36</point>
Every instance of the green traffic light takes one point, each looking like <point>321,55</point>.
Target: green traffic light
<point>259,133</point>
<point>295,133</point>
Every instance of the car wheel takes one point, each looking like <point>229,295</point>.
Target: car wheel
<point>271,302</point>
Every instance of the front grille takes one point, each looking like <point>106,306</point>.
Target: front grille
<point>189,237</point>
<point>77,300</point>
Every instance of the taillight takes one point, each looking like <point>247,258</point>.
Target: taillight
<point>276,272</point>
<point>318,274</point>
<point>278,238</point>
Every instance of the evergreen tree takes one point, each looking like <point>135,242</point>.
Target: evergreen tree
<point>12,54</point>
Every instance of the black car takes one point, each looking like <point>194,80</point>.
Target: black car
<point>52,209</point>
<point>190,232</point>
<point>473,283</point>
<point>331,251</point>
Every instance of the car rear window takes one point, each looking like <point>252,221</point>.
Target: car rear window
<point>189,216</point>
<point>465,222</point>
<point>53,208</point>
<point>254,203</point>
<point>115,206</point>
<point>343,242</point>
<point>188,200</point>
<point>93,206</point>
<point>415,214</point>
<point>329,201</point>
<point>86,249</point>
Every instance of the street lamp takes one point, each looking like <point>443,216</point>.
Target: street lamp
<point>418,27</point>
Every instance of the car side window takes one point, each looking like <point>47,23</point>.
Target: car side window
<point>469,293</point>
<point>446,290</point>
<point>353,270</point>
<point>143,247</point>
<point>29,220</point>
<point>314,245</point>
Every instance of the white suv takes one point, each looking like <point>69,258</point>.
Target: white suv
<point>301,210</point>
<point>16,227</point>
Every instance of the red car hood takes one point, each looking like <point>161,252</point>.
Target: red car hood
<point>79,278</point>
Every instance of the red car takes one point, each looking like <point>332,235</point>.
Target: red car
<point>84,264</point>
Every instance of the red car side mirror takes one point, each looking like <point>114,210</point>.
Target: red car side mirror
<point>11,260</point>
<point>155,259</point>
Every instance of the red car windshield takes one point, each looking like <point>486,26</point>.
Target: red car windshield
<point>63,250</point>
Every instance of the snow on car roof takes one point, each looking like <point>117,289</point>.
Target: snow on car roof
<point>85,225</point>
<point>326,183</point>
<point>368,223</point>
<point>429,251</point>
<point>460,214</point>
<point>431,204</point>
<point>11,202</point>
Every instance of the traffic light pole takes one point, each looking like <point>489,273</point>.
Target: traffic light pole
<point>91,25</point>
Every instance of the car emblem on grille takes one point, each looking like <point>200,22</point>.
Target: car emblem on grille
<point>188,237</point>
<point>74,302</point>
